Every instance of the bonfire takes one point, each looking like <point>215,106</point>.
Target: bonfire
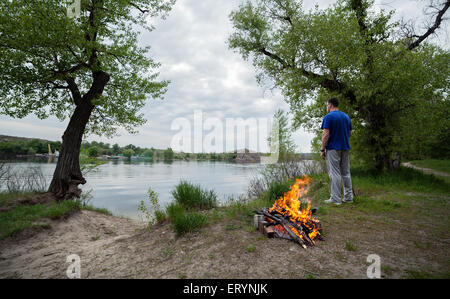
<point>291,217</point>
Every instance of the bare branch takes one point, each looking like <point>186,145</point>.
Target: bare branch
<point>433,28</point>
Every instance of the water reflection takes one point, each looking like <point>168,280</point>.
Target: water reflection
<point>120,185</point>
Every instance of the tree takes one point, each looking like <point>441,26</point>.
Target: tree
<point>128,153</point>
<point>93,151</point>
<point>116,149</point>
<point>349,51</point>
<point>286,145</point>
<point>88,68</point>
<point>149,153</point>
<point>168,154</point>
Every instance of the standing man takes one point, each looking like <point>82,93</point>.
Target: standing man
<point>337,129</point>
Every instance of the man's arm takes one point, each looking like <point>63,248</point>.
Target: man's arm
<point>325,136</point>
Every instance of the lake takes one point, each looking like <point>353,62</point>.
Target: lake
<point>119,186</point>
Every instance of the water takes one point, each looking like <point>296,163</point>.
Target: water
<point>119,186</point>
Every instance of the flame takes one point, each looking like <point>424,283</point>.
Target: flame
<point>291,206</point>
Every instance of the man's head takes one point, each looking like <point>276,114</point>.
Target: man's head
<point>333,104</point>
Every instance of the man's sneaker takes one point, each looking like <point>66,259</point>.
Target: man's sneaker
<point>347,201</point>
<point>330,201</point>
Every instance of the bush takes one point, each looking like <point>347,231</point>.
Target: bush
<point>93,151</point>
<point>159,214</point>
<point>187,222</point>
<point>192,196</point>
<point>183,222</point>
<point>277,190</point>
<point>174,210</point>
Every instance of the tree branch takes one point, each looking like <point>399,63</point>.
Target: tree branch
<point>332,85</point>
<point>432,29</point>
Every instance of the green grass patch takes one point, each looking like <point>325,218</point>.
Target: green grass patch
<point>17,219</point>
<point>438,165</point>
<point>192,196</point>
<point>399,179</point>
<point>7,198</point>
<point>182,221</point>
<point>188,222</point>
<point>251,248</point>
<point>98,210</point>
<point>370,204</point>
<point>414,274</point>
<point>350,246</point>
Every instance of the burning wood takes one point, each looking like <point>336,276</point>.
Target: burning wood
<point>289,219</point>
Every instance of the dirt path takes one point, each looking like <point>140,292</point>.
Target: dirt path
<point>426,170</point>
<point>111,247</point>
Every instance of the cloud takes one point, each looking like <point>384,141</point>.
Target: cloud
<point>205,75</point>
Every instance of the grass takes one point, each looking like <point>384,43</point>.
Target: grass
<point>183,221</point>
<point>188,222</point>
<point>403,179</point>
<point>9,197</point>
<point>98,210</point>
<point>350,246</point>
<point>251,248</point>
<point>438,165</point>
<point>22,217</point>
<point>402,202</point>
<point>192,196</point>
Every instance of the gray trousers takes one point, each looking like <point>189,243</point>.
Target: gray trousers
<point>338,165</point>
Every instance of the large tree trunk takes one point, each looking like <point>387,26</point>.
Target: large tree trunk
<point>67,175</point>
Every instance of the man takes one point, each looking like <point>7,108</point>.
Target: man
<point>337,129</point>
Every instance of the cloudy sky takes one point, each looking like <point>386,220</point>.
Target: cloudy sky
<point>205,75</point>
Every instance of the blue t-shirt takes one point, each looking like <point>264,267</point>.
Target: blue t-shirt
<point>340,126</point>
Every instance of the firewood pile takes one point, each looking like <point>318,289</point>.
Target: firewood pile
<point>291,217</point>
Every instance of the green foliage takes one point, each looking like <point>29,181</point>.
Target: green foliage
<point>435,164</point>
<point>276,190</point>
<point>168,154</point>
<point>93,151</point>
<point>283,139</point>
<point>103,211</point>
<point>149,153</point>
<point>158,213</point>
<point>192,196</point>
<point>404,178</point>
<point>50,61</point>
<point>182,221</point>
<point>22,146</point>
<point>188,222</point>
<point>128,153</point>
<point>350,246</point>
<point>351,51</point>
<point>251,248</point>
<point>88,164</point>
<point>22,217</point>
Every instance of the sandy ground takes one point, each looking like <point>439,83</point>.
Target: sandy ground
<point>112,247</point>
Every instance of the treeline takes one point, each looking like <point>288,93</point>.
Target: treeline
<point>10,147</point>
<point>97,149</point>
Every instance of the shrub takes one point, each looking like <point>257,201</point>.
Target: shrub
<point>159,214</point>
<point>174,210</point>
<point>187,222</point>
<point>194,197</point>
<point>277,190</point>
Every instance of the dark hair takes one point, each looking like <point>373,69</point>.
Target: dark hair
<point>334,102</point>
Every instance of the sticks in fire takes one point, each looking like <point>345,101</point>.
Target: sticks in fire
<point>298,233</point>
